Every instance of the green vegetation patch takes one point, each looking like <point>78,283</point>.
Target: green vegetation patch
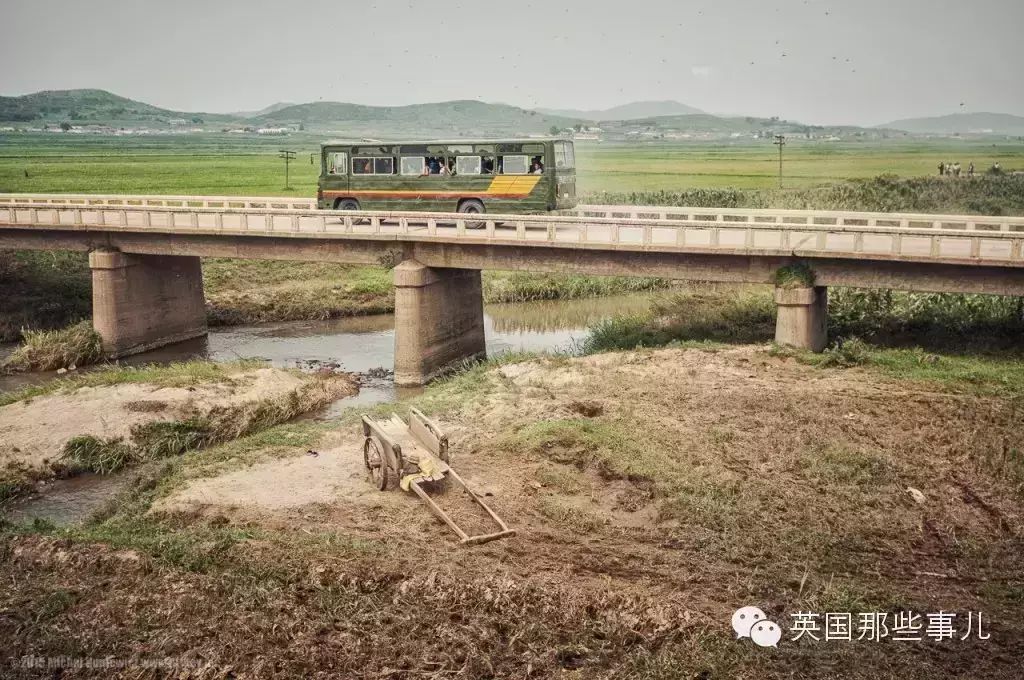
<point>979,374</point>
<point>740,316</point>
<point>834,464</point>
<point>77,345</point>
<point>798,275</point>
<point>613,449</point>
<point>524,287</point>
<point>178,374</point>
<point>168,438</point>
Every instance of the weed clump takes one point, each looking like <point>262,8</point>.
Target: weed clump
<point>846,354</point>
<point>797,275</point>
<point>166,438</point>
<point>76,345</point>
<point>102,456</point>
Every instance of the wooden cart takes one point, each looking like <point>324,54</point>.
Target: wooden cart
<point>412,454</point>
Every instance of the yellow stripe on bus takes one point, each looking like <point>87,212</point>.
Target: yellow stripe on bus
<point>513,184</point>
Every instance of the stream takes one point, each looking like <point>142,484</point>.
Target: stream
<point>361,345</point>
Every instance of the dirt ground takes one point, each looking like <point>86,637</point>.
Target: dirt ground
<point>33,431</point>
<point>654,493</point>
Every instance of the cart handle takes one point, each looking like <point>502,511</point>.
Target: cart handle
<point>486,538</point>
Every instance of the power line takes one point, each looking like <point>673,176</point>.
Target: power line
<point>779,141</point>
<point>287,156</point>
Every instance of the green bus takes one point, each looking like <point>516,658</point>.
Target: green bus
<point>467,176</point>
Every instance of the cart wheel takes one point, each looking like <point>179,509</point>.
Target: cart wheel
<point>375,463</point>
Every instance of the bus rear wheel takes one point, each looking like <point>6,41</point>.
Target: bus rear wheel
<point>346,204</point>
<point>473,206</point>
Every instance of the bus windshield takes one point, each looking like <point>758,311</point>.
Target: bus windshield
<point>564,156</point>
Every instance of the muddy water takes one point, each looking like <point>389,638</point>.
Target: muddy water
<point>365,345</point>
<point>67,501</point>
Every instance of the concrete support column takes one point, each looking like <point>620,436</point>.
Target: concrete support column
<point>140,302</point>
<point>802,316</point>
<point>439,320</point>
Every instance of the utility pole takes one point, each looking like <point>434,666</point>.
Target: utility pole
<point>287,156</point>
<point>780,141</point>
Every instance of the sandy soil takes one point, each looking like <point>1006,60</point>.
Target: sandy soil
<point>32,432</point>
<point>767,409</point>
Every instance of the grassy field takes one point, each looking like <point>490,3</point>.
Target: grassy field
<point>233,164</point>
<point>674,166</point>
<point>52,290</point>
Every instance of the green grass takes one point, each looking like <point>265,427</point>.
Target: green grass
<point>178,374</point>
<point>980,374</point>
<point>233,165</point>
<point>525,287</point>
<point>744,315</point>
<point>614,168</point>
<point>984,195</point>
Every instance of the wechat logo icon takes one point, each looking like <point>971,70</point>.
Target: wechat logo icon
<point>751,622</point>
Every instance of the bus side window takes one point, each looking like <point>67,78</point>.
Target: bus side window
<point>413,165</point>
<point>384,166</point>
<point>467,165</point>
<point>513,164</point>
<point>362,166</point>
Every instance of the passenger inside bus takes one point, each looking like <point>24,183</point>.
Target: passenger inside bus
<point>536,167</point>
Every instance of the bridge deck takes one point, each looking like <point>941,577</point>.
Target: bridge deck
<point>939,239</point>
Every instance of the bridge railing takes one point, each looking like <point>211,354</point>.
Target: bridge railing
<point>936,243</point>
<point>255,202</point>
<point>838,218</point>
<point>804,217</point>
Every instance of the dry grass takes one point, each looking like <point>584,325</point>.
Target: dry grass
<point>707,480</point>
<point>69,347</point>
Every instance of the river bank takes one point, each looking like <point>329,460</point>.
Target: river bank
<point>654,492</point>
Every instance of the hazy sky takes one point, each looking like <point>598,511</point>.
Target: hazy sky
<point>817,61</point>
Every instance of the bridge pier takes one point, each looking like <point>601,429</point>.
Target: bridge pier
<point>140,302</point>
<point>439,320</point>
<point>802,317</point>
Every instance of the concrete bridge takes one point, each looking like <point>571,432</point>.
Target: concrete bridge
<point>147,281</point>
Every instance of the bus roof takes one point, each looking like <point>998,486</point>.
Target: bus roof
<point>502,140</point>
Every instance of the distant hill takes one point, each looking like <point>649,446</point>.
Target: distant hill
<point>631,111</point>
<point>452,118</point>
<point>707,124</point>
<point>87,106</point>
<point>262,112</point>
<point>963,123</point>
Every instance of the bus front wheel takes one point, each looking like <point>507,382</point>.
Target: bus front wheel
<point>473,206</point>
<point>346,204</point>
